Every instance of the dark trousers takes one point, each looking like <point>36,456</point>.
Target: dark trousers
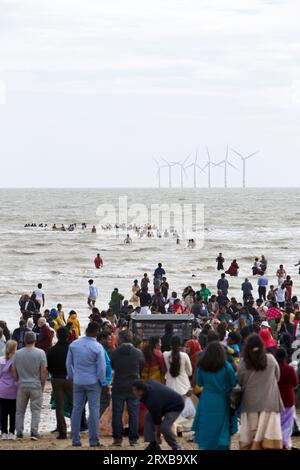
<point>104,400</point>
<point>262,292</point>
<point>165,427</point>
<point>247,297</point>
<point>62,388</point>
<point>8,410</point>
<point>118,402</point>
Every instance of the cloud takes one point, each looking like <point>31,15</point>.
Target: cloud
<point>212,40</point>
<point>2,92</point>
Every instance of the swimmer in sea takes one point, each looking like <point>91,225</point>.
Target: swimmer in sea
<point>127,240</point>
<point>54,227</point>
<point>191,243</point>
<point>94,230</point>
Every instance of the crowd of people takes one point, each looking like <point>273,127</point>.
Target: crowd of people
<point>238,372</point>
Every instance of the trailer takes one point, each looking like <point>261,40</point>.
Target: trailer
<point>154,325</point>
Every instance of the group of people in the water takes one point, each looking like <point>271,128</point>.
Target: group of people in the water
<point>146,230</point>
<point>70,228</point>
<point>34,225</point>
<point>62,227</point>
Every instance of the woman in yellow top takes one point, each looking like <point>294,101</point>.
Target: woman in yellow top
<point>61,314</point>
<point>154,366</point>
<point>76,325</point>
<point>56,319</point>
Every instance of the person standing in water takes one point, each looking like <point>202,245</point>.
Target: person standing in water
<point>127,240</point>
<point>39,295</point>
<point>233,269</point>
<point>281,274</point>
<point>220,262</point>
<point>93,294</point>
<point>98,261</point>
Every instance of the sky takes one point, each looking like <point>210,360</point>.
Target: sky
<point>91,91</point>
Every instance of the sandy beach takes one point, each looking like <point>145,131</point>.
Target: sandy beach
<point>48,440</point>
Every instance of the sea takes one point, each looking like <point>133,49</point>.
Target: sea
<point>240,223</point>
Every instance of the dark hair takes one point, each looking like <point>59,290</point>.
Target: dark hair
<point>281,355</point>
<point>206,328</point>
<point>136,341</point>
<point>255,356</point>
<point>92,328</point>
<point>91,282</point>
<point>221,329</point>
<point>140,385</point>
<point>40,285</point>
<point>285,340</point>
<point>212,336</point>
<point>103,335</point>
<point>175,356</point>
<point>62,333</point>
<point>234,336</point>
<point>213,357</point>
<point>125,336</point>
<point>150,346</point>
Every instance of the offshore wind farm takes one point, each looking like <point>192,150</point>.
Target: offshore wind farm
<point>201,173</point>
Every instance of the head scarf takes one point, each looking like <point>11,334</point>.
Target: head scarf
<point>195,349</point>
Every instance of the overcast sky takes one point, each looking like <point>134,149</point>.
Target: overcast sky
<point>92,90</point>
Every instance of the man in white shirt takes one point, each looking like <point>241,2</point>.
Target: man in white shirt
<point>39,295</point>
<point>93,294</point>
<point>281,295</point>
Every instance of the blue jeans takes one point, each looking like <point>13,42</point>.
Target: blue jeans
<point>133,405</point>
<point>92,394</point>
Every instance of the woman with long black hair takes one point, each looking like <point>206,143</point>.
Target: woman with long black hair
<point>213,424</point>
<point>179,368</point>
<point>179,371</point>
<point>154,367</point>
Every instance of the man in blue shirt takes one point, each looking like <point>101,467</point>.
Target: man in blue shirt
<point>159,272</point>
<point>86,366</point>
<point>262,283</point>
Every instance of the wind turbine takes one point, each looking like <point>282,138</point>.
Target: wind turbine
<point>195,165</point>
<point>209,164</point>
<point>158,172</point>
<point>225,162</point>
<point>182,169</point>
<point>169,165</point>
<point>244,158</point>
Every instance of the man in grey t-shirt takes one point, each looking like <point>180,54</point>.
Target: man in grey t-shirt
<point>30,370</point>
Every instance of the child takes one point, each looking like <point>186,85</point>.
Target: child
<point>233,346</point>
<point>177,307</point>
<point>61,314</point>
<point>76,325</point>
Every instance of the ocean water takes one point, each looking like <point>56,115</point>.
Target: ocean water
<point>240,223</point>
